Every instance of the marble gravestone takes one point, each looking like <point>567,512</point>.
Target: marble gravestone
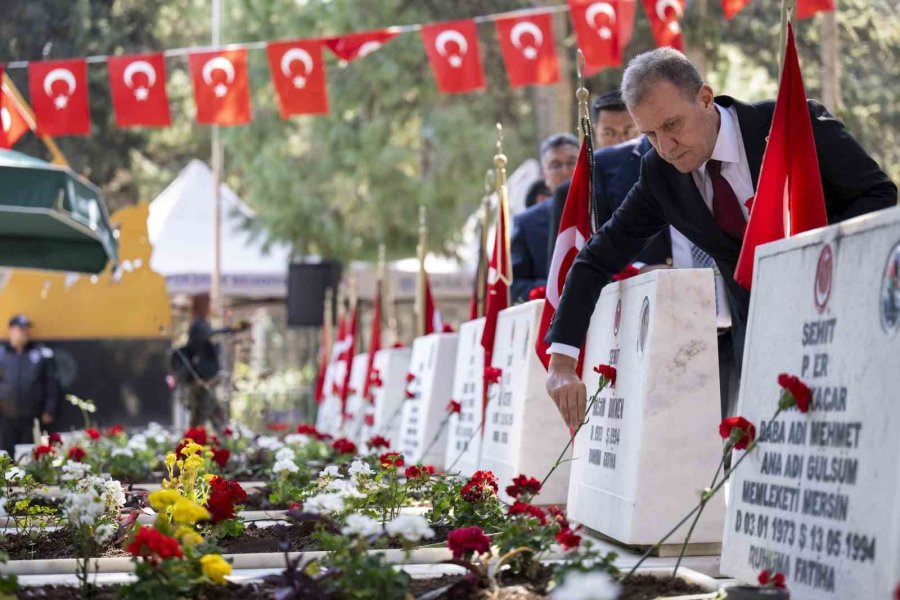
<point>391,364</point>
<point>431,365</point>
<point>524,433</point>
<point>464,430</point>
<point>651,442</point>
<point>328,413</point>
<point>819,498</point>
<point>356,405</point>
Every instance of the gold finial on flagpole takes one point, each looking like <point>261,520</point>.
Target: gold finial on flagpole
<point>581,95</point>
<point>500,159</point>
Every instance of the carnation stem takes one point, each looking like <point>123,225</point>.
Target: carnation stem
<point>703,500</point>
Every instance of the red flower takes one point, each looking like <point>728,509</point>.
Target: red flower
<point>447,328</point>
<point>767,579</point>
<point>40,451</point>
<point>410,395</point>
<point>310,430</point>
<point>391,460</point>
<point>344,446</point>
<point>76,453</point>
<point>151,543</point>
<point>369,420</point>
<point>538,293</point>
<point>296,506</point>
<point>468,539</point>
<point>492,375</point>
<point>560,517</point>
<point>221,456</point>
<point>55,439</point>
<point>278,427</point>
<point>410,377</point>
<point>797,392</point>
<point>627,273</point>
<point>607,372</point>
<point>481,486</point>
<point>523,485</point>
<point>228,432</point>
<point>739,430</point>
<point>92,433</point>
<point>196,434</point>
<point>454,406</point>
<point>522,508</point>
<point>224,496</point>
<point>568,539</point>
<point>114,431</point>
<point>419,471</point>
<point>398,345</point>
<point>378,441</point>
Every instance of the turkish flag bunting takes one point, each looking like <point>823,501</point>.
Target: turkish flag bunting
<point>59,97</point>
<point>221,87</point>
<point>374,345</point>
<point>452,50</point>
<point>138,86</point>
<point>324,356</point>
<point>732,7</point>
<point>529,50</point>
<point>13,121</point>
<point>574,231</point>
<point>298,73</point>
<point>665,17</point>
<point>357,45</point>
<point>789,179</point>
<point>347,358</point>
<point>597,29</point>
<point>808,8</point>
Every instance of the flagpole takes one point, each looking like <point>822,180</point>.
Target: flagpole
<point>788,14</point>
<point>581,95</point>
<point>500,162</point>
<point>217,159</point>
<point>420,283</point>
<point>482,269</point>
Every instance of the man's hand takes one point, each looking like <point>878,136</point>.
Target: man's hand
<point>46,419</point>
<point>566,389</point>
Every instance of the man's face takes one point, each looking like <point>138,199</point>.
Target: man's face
<point>615,127</point>
<point>559,164</point>
<point>19,336</point>
<point>683,130</point>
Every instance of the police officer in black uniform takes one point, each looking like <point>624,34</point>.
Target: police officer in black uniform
<point>29,387</point>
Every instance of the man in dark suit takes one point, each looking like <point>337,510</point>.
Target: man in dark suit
<point>528,245</point>
<point>703,168</point>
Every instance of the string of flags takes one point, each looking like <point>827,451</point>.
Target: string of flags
<point>221,84</point>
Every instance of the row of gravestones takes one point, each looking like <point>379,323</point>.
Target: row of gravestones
<point>817,499</point>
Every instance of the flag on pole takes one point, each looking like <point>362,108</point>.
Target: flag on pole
<point>574,231</point>
<point>374,344</point>
<point>665,17</point>
<point>347,358</point>
<point>598,28</point>
<point>59,97</point>
<point>529,49</point>
<point>13,121</point>
<point>790,185</point>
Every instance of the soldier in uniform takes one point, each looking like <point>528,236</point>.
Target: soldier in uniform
<point>29,388</point>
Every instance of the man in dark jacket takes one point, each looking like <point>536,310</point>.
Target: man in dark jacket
<point>704,166</point>
<point>29,388</point>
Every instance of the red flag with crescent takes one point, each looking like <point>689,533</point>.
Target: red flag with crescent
<point>221,86</point>
<point>453,52</point>
<point>529,50</point>
<point>13,121</point>
<point>665,22</point>
<point>598,28</point>
<point>298,72</point>
<point>59,97</point>
<point>137,84</point>
<point>358,45</point>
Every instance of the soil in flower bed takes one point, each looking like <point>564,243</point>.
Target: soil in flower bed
<point>648,587</point>
<point>48,545</point>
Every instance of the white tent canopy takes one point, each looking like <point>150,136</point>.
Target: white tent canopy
<point>180,227</point>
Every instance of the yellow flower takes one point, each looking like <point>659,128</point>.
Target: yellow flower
<point>187,512</point>
<point>170,459</point>
<point>191,448</point>
<point>193,462</point>
<point>215,567</point>
<point>187,536</point>
<point>160,499</point>
<point>209,477</point>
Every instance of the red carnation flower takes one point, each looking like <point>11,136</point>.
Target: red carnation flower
<point>310,430</point>
<point>454,406</point>
<point>466,540</point>
<point>114,431</point>
<point>369,420</point>
<point>739,430</point>
<point>55,439</point>
<point>76,453</point>
<point>607,372</point>
<point>447,328</point>
<point>378,441</point>
<point>492,375</point>
<point>228,432</point>
<point>796,392</point>
<point>523,485</point>
<point>538,293</point>
<point>92,433</point>
<point>224,497</point>
<point>767,579</point>
<point>522,508</point>
<point>295,506</point>
<point>398,345</point>
<point>150,543</point>
<point>196,434</point>
<point>221,456</point>
<point>391,460</point>
<point>627,273</point>
<point>344,446</point>
<point>410,394</point>
<point>568,539</point>
<point>40,451</point>
<point>558,515</point>
<point>277,427</point>
<point>410,377</point>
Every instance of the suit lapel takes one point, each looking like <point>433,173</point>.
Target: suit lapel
<point>754,132</point>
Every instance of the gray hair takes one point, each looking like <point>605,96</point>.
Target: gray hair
<point>662,64</point>
<point>557,140</point>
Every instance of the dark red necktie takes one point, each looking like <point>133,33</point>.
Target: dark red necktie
<point>726,210</point>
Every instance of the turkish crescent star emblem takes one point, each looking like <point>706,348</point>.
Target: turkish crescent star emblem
<point>521,28</point>
<point>5,119</point>
<point>63,75</point>
<point>301,55</point>
<point>219,63</point>
<point>567,240</point>
<point>139,66</point>
<point>451,35</point>
<point>601,8</point>
<point>662,13</point>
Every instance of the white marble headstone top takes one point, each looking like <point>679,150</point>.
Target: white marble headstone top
<point>356,405</point>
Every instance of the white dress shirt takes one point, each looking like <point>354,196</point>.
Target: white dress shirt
<point>729,149</point>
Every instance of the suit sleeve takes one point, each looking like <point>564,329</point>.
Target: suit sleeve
<point>607,252</point>
<point>853,182</point>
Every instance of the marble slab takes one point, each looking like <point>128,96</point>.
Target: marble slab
<point>392,364</point>
<point>464,432</point>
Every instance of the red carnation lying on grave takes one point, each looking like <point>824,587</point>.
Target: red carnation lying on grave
<point>627,273</point>
<point>221,456</point>
<point>467,540</point>
<point>454,406</point>
<point>523,485</point>
<point>741,431</point>
<point>410,377</point>
<point>40,451</point>
<point>391,460</point>
<point>568,539</point>
<point>410,394</point>
<point>447,328</point>
<point>538,293</point>
<point>523,508</point>
<point>344,446</point>
<point>607,372</point>
<point>767,579</point>
<point>369,420</point>
<point>799,392</point>
<point>224,496</point>
<point>92,433</point>
<point>307,429</point>
<point>76,453</point>
<point>492,375</point>
<point>398,345</point>
<point>416,471</point>
<point>150,543</point>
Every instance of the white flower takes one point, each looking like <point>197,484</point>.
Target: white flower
<point>345,488</point>
<point>15,473</point>
<point>126,451</point>
<point>83,508</point>
<point>138,443</point>
<point>113,496</point>
<point>324,504</point>
<point>74,471</point>
<point>267,442</point>
<point>331,471</point>
<point>285,454</point>
<point>596,585</point>
<point>4,453</point>
<point>413,528</point>
<point>361,525</point>
<point>91,483</point>
<point>285,466</point>
<point>360,468</point>
<point>104,533</point>
<point>297,439</point>
<point>3,512</point>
